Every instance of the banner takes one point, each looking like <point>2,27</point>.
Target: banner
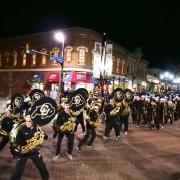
<point>97,60</point>
<point>108,64</point>
<point>103,63</point>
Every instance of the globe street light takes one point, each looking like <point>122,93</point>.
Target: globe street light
<point>166,76</point>
<point>59,36</point>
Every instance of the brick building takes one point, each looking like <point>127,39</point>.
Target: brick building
<point>19,72</point>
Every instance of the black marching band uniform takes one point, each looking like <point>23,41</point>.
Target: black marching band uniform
<point>25,134</point>
<point>63,120</point>
<point>92,122</point>
<point>112,119</point>
<point>7,122</point>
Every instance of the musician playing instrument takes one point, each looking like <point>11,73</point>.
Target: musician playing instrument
<point>112,115</point>
<point>64,125</point>
<point>92,122</point>
<point>24,135</point>
<point>6,125</point>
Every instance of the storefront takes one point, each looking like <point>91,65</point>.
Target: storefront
<point>35,80</point>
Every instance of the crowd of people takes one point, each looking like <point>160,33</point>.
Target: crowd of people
<point>111,111</point>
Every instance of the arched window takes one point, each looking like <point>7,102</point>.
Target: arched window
<point>44,57</point>
<point>34,59</point>
<point>68,50</point>
<point>114,63</point>
<point>118,65</point>
<point>82,53</point>
<point>15,58</point>
<point>55,51</point>
<point>123,64</point>
<point>6,55</point>
<point>23,58</point>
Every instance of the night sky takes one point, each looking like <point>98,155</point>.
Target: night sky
<point>152,25</point>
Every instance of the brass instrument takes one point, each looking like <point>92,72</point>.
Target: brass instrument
<point>31,145</point>
<point>115,110</point>
<point>4,124</point>
<point>68,127</point>
<point>126,110</point>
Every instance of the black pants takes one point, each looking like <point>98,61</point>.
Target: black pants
<point>70,143</point>
<point>111,124</point>
<point>80,121</point>
<point>89,132</point>
<point>124,120</point>
<point>3,142</point>
<point>37,159</point>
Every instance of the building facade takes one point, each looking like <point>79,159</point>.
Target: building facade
<point>19,71</point>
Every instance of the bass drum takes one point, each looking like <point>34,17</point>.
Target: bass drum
<point>24,141</point>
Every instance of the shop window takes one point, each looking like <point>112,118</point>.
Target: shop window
<point>34,59</point>
<point>14,58</point>
<point>82,52</point>
<point>44,57</point>
<point>38,86</point>
<point>68,50</point>
<point>54,87</point>
<point>123,64</point>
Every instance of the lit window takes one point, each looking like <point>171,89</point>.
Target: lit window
<point>55,51</point>
<point>44,58</point>
<point>118,64</point>
<point>68,51</point>
<point>14,58</point>
<point>34,59</point>
<point>114,63</point>
<point>123,64</point>
<point>82,53</point>
<point>23,58</point>
<point>6,55</point>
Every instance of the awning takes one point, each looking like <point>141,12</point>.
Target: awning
<point>81,77</point>
<point>54,78</point>
<point>36,77</point>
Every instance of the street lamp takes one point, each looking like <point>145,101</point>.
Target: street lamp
<point>59,36</point>
<point>166,76</point>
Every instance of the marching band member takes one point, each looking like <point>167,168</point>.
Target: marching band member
<point>27,132</point>
<point>7,122</point>
<point>92,122</point>
<point>64,125</point>
<point>112,116</point>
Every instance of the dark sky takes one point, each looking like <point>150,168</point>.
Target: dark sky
<point>152,25</point>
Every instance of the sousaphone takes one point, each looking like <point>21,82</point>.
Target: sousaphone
<point>77,101</point>
<point>41,113</point>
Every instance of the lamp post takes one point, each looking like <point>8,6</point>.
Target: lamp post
<point>59,36</point>
<point>166,76</point>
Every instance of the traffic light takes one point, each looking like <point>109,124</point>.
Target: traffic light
<point>51,54</point>
<point>28,51</point>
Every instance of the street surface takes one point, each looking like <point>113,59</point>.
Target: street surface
<point>143,155</point>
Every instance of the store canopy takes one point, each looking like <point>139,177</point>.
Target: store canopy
<point>54,77</point>
<point>81,77</point>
